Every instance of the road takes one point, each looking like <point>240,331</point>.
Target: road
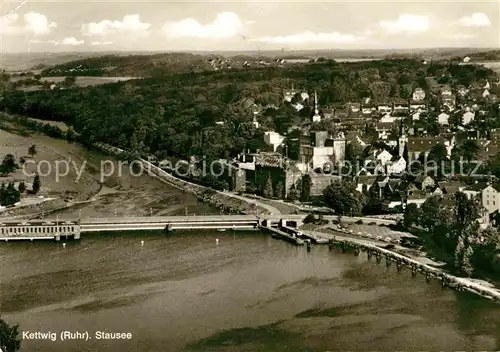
<point>272,210</point>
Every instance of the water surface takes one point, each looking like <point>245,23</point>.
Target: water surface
<point>249,292</point>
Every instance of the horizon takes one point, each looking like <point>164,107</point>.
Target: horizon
<point>311,50</point>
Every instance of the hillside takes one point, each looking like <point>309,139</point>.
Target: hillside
<point>211,112</point>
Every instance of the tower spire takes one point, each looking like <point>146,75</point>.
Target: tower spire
<point>316,102</point>
<point>317,116</point>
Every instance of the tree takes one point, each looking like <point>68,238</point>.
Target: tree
<point>69,81</point>
<point>268,188</point>
<point>22,187</point>
<point>305,188</point>
<point>430,209</point>
<point>469,150</point>
<point>279,190</point>
<point>8,164</point>
<point>411,215</point>
<point>438,154</point>
<point>9,337</point>
<point>70,134</point>
<point>293,193</point>
<point>36,184</point>
<point>32,150</point>
<point>352,152</point>
<point>343,198</point>
<point>465,232</point>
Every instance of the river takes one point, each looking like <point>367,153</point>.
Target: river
<point>249,292</point>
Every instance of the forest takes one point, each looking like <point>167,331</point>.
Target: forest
<point>206,113</point>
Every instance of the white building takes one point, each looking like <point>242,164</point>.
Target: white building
<point>273,139</point>
<point>387,118</point>
<point>383,157</point>
<point>418,94</point>
<point>397,165</point>
<point>468,117</point>
<point>444,119</point>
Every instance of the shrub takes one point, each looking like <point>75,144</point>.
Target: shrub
<point>359,222</point>
<point>309,219</point>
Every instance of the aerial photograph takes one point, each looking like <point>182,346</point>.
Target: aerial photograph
<point>275,175</point>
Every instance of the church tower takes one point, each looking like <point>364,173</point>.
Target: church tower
<point>317,116</point>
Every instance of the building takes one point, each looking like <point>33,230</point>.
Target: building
<point>417,105</point>
<point>273,139</point>
<point>449,101</point>
<point>383,157</point>
<point>319,182</point>
<point>417,146</point>
<point>367,109</point>
<point>444,119</point>
<point>418,94</point>
<point>353,107</point>
<point>384,108</point>
<point>397,165</point>
<point>316,117</point>
<point>320,149</point>
<point>387,118</point>
<point>282,172</point>
<point>401,106</point>
<point>475,190</point>
<point>289,94</point>
<point>468,116</point>
<point>490,198</point>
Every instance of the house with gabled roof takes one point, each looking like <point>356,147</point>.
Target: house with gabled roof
<point>417,105</point>
<point>417,146</point>
<point>418,94</point>
<point>367,109</point>
<point>475,189</point>
<point>401,106</point>
<point>384,108</point>
<point>397,165</point>
<point>490,197</point>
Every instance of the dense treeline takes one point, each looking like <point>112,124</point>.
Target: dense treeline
<point>131,65</point>
<point>453,234</point>
<point>205,113</point>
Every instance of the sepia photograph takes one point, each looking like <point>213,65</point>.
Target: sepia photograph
<point>240,176</point>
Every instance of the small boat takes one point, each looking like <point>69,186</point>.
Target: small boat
<point>221,230</point>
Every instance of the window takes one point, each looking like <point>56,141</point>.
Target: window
<point>487,202</point>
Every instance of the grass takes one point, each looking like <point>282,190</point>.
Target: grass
<point>129,195</point>
<point>85,81</point>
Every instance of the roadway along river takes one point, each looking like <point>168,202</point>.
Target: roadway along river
<point>249,292</point>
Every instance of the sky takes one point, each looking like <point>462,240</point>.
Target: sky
<point>92,25</point>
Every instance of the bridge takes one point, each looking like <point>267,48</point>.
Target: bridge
<point>57,229</point>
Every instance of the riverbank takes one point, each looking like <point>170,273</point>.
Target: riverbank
<point>91,194</point>
<point>411,258</point>
<point>222,200</point>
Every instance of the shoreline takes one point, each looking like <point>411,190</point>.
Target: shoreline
<point>204,194</point>
<point>478,287</point>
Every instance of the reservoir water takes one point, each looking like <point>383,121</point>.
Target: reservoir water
<point>249,292</point>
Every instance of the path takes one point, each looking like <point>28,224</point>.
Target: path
<point>272,210</point>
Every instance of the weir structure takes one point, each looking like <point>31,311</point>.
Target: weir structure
<point>57,229</point>
<point>74,228</point>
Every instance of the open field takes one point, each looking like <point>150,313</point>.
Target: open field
<point>494,65</point>
<point>85,81</point>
